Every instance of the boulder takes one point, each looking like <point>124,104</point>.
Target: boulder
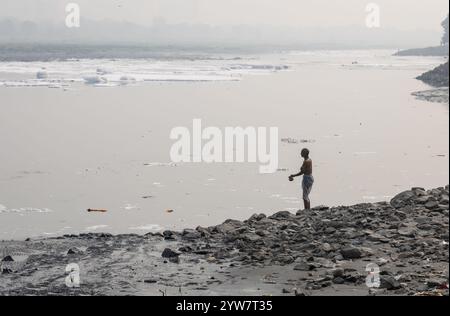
<point>8,259</point>
<point>339,272</point>
<point>351,253</point>
<point>169,235</point>
<point>389,282</point>
<point>169,253</point>
<point>283,215</point>
<point>338,280</point>
<point>228,226</point>
<point>403,199</point>
<point>304,266</point>
<point>191,234</point>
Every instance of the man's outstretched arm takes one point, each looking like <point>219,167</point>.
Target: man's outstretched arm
<point>297,174</point>
<point>301,172</point>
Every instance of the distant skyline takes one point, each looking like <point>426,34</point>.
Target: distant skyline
<point>227,23</point>
<point>398,14</point>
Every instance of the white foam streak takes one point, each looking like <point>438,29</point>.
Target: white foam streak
<point>126,72</point>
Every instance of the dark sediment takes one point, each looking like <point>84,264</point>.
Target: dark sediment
<point>439,95</point>
<point>324,251</point>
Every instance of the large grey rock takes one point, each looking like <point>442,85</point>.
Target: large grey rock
<point>304,266</point>
<point>431,205</point>
<point>169,253</point>
<point>191,234</point>
<point>389,282</point>
<point>228,226</point>
<point>283,215</point>
<point>403,199</point>
<point>351,253</point>
<point>434,283</point>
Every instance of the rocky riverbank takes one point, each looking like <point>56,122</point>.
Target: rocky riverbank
<point>324,251</point>
<point>439,51</point>
<point>439,95</point>
<point>437,77</point>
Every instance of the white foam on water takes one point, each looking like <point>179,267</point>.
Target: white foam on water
<point>95,80</point>
<point>148,227</point>
<point>130,71</point>
<point>96,227</point>
<point>24,210</point>
<point>33,83</point>
<point>363,59</point>
<point>48,234</point>
<point>161,164</point>
<point>129,207</point>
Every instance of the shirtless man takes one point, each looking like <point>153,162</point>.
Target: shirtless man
<point>308,180</point>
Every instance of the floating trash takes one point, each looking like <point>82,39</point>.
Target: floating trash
<point>90,210</point>
<point>41,75</point>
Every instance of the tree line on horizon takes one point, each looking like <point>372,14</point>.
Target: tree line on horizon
<point>445,36</point>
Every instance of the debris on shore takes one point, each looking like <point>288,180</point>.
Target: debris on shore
<point>323,251</point>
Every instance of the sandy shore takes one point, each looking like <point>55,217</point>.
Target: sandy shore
<point>324,251</point>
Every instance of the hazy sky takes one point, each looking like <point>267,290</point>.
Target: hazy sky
<point>401,14</point>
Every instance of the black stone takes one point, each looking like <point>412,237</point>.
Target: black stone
<point>8,259</point>
<point>169,253</point>
<point>351,253</point>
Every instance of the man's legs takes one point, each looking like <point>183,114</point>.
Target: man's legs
<point>307,185</point>
<point>307,204</point>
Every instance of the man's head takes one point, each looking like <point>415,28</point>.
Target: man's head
<point>305,153</point>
